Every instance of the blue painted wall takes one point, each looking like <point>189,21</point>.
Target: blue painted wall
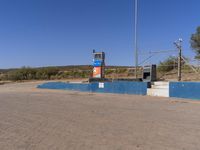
<point>66,86</point>
<point>189,90</point>
<point>121,87</point>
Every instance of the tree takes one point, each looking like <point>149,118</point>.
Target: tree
<point>168,64</point>
<point>195,42</point>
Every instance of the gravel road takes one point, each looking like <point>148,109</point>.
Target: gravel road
<point>37,119</point>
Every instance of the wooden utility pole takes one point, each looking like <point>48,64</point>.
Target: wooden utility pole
<point>178,44</point>
<point>180,64</point>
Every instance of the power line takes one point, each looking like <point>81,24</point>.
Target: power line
<point>157,52</point>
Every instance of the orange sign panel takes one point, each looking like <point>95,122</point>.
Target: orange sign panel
<point>97,72</point>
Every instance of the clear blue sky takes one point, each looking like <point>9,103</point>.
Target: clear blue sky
<point>64,32</point>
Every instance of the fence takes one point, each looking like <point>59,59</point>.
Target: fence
<point>167,65</point>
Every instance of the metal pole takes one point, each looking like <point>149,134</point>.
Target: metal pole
<point>136,47</point>
<point>179,63</point>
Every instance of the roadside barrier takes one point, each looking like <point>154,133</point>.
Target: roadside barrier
<point>189,90</point>
<point>118,87</point>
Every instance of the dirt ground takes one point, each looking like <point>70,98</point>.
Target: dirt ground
<point>36,119</point>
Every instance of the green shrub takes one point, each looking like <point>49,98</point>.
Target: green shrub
<point>109,71</point>
<point>168,64</point>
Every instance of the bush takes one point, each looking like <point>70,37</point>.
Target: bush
<point>121,70</point>
<point>21,74</point>
<point>48,73</point>
<point>168,64</point>
<point>30,74</point>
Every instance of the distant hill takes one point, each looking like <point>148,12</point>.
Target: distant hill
<point>63,68</point>
<point>85,71</point>
<point>61,72</point>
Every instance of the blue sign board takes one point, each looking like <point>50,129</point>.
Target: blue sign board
<point>97,63</point>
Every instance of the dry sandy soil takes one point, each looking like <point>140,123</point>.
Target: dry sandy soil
<point>36,119</point>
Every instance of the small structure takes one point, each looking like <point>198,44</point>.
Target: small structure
<point>149,73</point>
<point>98,65</point>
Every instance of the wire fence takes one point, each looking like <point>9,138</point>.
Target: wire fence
<point>167,65</point>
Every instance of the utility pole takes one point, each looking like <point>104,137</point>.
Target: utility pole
<point>178,45</point>
<point>179,64</point>
<point>136,46</point>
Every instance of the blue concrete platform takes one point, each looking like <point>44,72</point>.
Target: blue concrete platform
<point>189,90</point>
<point>118,87</point>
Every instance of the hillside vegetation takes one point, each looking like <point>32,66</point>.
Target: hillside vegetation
<point>166,70</point>
<point>52,73</point>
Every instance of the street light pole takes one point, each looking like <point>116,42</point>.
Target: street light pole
<point>136,46</point>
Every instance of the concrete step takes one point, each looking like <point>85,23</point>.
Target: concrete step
<point>160,86</point>
<point>158,92</point>
<point>76,82</point>
<point>160,83</point>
